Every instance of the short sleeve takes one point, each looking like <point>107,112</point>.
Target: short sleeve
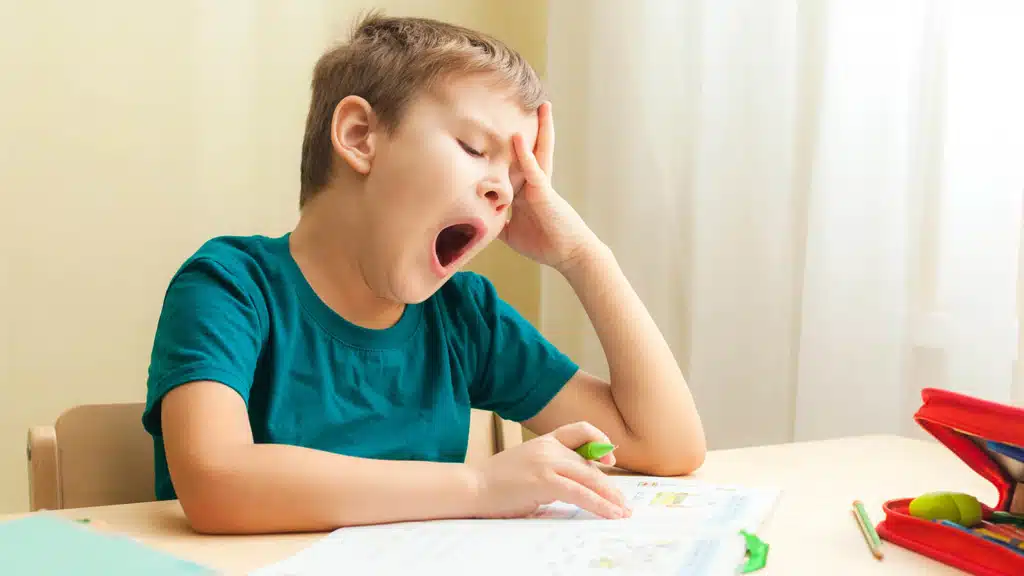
<point>209,329</point>
<point>520,370</point>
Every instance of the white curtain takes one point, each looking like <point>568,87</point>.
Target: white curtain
<point>820,201</point>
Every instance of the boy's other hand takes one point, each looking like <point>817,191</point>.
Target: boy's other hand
<point>517,481</point>
<point>543,226</point>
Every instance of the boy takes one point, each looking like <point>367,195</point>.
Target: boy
<point>325,378</point>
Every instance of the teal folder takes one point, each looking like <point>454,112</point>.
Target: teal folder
<point>46,545</point>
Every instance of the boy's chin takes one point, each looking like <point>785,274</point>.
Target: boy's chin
<point>416,292</point>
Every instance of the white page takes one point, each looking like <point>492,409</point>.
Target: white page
<point>677,527</point>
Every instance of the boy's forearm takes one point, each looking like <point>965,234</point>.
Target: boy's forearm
<point>263,488</point>
<point>646,382</point>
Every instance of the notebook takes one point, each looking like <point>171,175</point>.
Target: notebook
<point>679,526</point>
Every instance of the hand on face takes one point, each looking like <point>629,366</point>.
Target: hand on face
<point>543,226</point>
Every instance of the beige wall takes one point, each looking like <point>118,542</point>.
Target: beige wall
<point>131,132</point>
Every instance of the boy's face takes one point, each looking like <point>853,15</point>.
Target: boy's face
<point>438,188</point>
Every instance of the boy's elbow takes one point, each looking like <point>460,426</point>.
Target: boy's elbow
<point>209,520</point>
<point>678,459</point>
<point>207,516</point>
<point>684,463</point>
<point>224,515</point>
<point>208,505</point>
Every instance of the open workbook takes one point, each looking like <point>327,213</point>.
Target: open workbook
<point>678,526</point>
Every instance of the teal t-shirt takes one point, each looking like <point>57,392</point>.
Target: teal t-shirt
<point>240,312</point>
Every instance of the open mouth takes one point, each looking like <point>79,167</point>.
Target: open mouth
<point>453,242</point>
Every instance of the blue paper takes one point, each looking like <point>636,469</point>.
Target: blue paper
<point>46,545</point>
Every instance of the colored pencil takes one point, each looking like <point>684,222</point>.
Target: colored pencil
<point>867,529</point>
<point>984,535</point>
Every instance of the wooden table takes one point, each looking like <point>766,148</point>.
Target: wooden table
<point>810,532</point>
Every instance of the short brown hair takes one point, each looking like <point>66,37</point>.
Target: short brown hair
<point>389,60</point>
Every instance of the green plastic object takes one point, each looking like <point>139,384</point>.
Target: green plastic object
<point>962,509</point>
<point>757,553</point>
<point>595,450</point>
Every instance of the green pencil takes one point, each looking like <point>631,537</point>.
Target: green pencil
<point>870,536</point>
<point>999,517</point>
<point>595,450</point>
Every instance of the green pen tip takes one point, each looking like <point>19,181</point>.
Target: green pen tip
<point>595,450</point>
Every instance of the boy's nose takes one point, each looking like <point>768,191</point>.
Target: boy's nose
<point>498,195</point>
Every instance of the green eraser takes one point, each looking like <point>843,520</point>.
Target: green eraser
<point>595,450</point>
<point>957,507</point>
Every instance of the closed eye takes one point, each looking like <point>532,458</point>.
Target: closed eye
<point>471,151</point>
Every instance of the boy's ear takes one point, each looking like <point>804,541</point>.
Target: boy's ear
<point>353,132</point>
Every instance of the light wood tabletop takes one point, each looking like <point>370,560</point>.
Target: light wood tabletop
<point>811,530</point>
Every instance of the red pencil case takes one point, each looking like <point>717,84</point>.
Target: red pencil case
<point>965,425</point>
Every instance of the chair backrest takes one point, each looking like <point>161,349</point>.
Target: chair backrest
<point>93,455</point>
<point>489,434</point>
<point>99,454</point>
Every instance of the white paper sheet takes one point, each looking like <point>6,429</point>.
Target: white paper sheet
<point>677,527</point>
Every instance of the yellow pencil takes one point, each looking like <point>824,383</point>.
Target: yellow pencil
<point>867,530</point>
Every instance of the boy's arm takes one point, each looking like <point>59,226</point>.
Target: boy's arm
<point>228,484</point>
<point>646,409</point>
